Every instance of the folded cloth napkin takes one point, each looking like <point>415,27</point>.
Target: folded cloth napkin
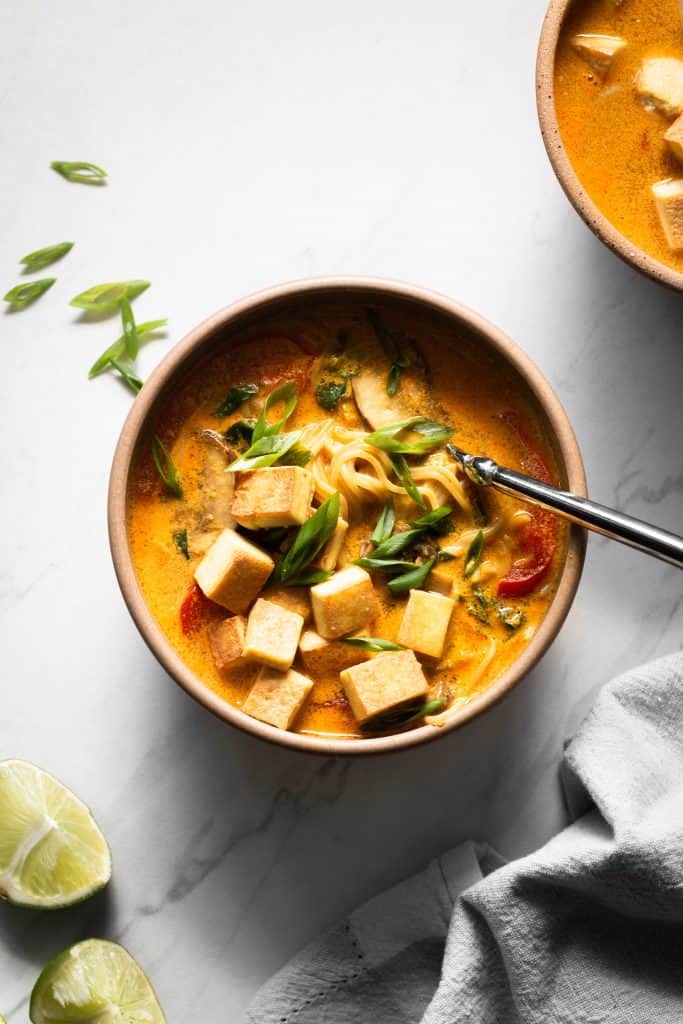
<point>587,929</point>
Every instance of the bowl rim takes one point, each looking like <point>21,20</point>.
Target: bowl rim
<point>603,228</point>
<point>151,396</point>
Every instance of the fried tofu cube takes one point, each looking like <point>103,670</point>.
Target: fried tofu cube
<point>597,50</point>
<point>275,496</point>
<point>383,683</point>
<point>674,138</point>
<point>329,556</point>
<point>425,622</point>
<point>294,599</point>
<point>328,657</point>
<point>277,697</point>
<point>233,571</point>
<point>272,634</point>
<point>659,84</point>
<point>343,604</point>
<point>227,640</point>
<point>668,197</point>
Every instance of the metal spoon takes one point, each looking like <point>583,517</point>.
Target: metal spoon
<point>607,521</point>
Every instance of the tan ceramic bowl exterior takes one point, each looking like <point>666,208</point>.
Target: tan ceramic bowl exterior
<point>138,426</point>
<point>582,203</point>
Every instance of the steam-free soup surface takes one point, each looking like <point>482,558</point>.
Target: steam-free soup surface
<point>494,562</point>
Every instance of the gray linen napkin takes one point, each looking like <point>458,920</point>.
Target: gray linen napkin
<point>587,929</point>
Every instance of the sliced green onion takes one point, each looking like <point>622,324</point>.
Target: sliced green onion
<point>308,579</point>
<point>296,456</point>
<point>130,331</point>
<point>402,470</point>
<point>513,618</point>
<point>398,717</point>
<point>390,566</point>
<point>394,545</point>
<point>387,439</point>
<point>371,643</point>
<point>265,452</point>
<point>118,348</point>
<point>80,170</point>
<point>392,350</point>
<point>434,520</point>
<point>42,257</point>
<point>473,556</point>
<point>129,375</point>
<point>166,467</point>
<point>103,297</point>
<point>311,538</point>
<point>385,524</point>
<point>22,294</point>
<point>235,397</point>
<point>286,393</point>
<point>411,580</point>
<point>180,541</point>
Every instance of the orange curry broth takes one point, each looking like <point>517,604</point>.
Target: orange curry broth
<point>615,145</point>
<point>472,391</point>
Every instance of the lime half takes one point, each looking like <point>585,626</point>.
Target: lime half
<point>94,981</point>
<point>52,853</point>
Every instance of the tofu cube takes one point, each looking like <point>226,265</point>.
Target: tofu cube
<point>659,84</point>
<point>425,622</point>
<point>226,640</point>
<point>276,496</point>
<point>443,577</point>
<point>277,697</point>
<point>294,599</point>
<point>233,571</point>
<point>329,556</point>
<point>674,138</point>
<point>597,50</point>
<point>328,657</point>
<point>383,683</point>
<point>272,634</point>
<point>343,604</point>
<point>668,196</point>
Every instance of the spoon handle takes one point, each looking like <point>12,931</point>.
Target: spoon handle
<point>607,521</point>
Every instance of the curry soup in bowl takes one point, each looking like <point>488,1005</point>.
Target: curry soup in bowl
<point>295,542</point>
<point>610,97</point>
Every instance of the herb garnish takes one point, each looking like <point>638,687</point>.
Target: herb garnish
<point>387,439</point>
<point>473,556</point>
<point>405,715</point>
<point>296,456</point>
<point>235,397</point>
<point>435,520</point>
<point>385,524</point>
<point>22,294</point>
<point>42,257</point>
<point>239,435</point>
<point>180,541</point>
<point>371,643</point>
<point>513,618</point>
<point>80,170</point>
<point>102,298</point>
<point>128,374</point>
<point>166,467</point>
<point>286,393</point>
<point>264,452</point>
<point>118,348</point>
<point>130,331</point>
<point>329,392</point>
<point>402,470</point>
<point>412,580</point>
<point>311,538</point>
<point>392,349</point>
<point>389,566</point>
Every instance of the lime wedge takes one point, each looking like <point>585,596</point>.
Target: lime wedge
<point>52,853</point>
<point>94,981</point>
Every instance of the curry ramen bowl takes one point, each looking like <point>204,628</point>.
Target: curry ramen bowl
<point>293,540</point>
<point>610,101</point>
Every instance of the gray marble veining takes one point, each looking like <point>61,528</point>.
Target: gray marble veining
<point>250,145</point>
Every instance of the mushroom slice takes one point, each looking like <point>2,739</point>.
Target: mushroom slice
<point>597,50</point>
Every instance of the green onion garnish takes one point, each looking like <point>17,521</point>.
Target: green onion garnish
<point>80,170</point>
<point>371,643</point>
<point>311,538</point>
<point>42,257</point>
<point>412,580</point>
<point>118,348</point>
<point>286,393</point>
<point>180,541</point>
<point>166,467</point>
<point>130,331</point>
<point>396,718</point>
<point>264,452</point>
<point>128,374</point>
<point>402,470</point>
<point>104,297</point>
<point>385,524</point>
<point>387,439</point>
<point>22,294</point>
<point>473,556</point>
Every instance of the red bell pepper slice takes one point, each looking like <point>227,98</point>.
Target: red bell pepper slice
<point>538,536</point>
<point>196,611</point>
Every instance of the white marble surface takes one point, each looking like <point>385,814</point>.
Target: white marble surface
<point>250,143</point>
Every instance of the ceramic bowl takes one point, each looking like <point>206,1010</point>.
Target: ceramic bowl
<point>558,11</point>
<point>212,335</point>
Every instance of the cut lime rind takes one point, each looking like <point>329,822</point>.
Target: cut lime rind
<point>52,854</point>
<point>98,981</point>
